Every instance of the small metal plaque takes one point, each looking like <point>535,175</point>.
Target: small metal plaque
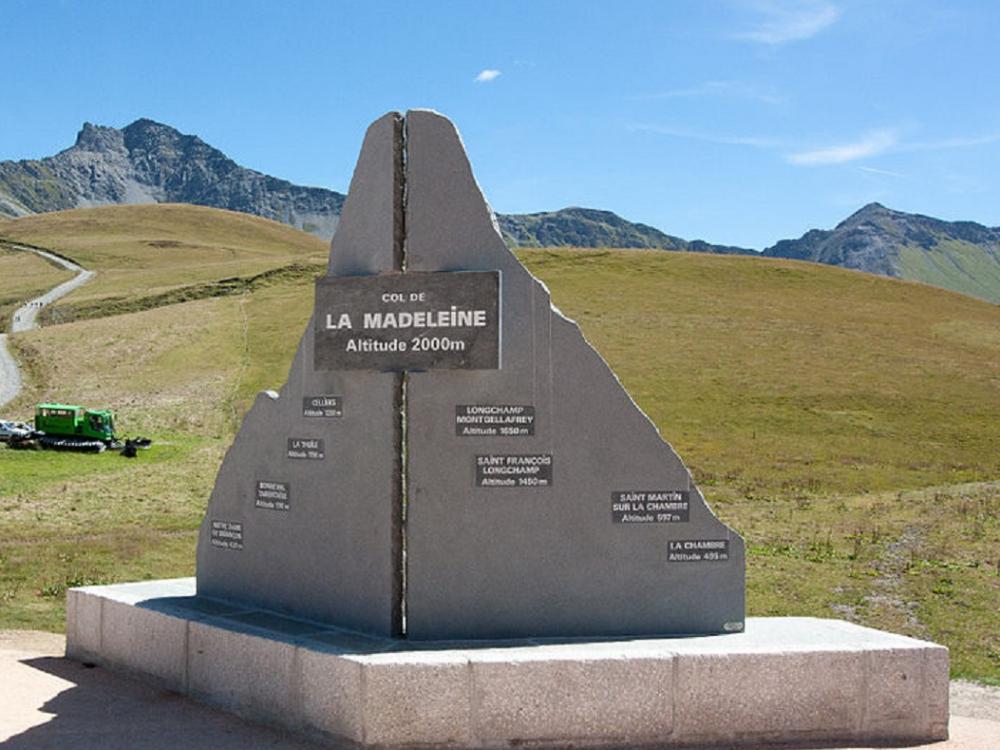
<point>227,535</point>
<point>494,420</point>
<point>272,495</point>
<point>408,321</point>
<point>650,506</point>
<point>698,550</point>
<point>311,448</point>
<point>514,471</point>
<point>322,406</point>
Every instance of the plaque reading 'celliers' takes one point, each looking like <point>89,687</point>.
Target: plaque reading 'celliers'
<point>412,321</point>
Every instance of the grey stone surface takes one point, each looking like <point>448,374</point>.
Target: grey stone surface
<point>332,693</point>
<point>243,672</point>
<point>785,680</point>
<point>333,555</point>
<point>369,236</point>
<point>417,698</point>
<point>769,695</point>
<point>907,693</point>
<point>83,624</point>
<point>591,697</point>
<point>539,560</point>
<point>146,641</point>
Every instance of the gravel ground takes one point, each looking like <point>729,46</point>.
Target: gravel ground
<point>974,700</point>
<point>47,702</point>
<point>10,376</point>
<point>25,319</point>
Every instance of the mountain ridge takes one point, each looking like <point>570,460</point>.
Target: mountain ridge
<point>149,162</point>
<point>960,255</point>
<point>590,227</point>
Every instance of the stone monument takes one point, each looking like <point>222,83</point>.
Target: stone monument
<point>453,527</point>
<point>440,405</point>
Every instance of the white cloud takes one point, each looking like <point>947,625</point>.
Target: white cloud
<point>783,21</point>
<point>726,140</point>
<point>485,76</point>
<point>872,144</point>
<point>725,89</point>
<point>949,143</point>
<point>886,172</point>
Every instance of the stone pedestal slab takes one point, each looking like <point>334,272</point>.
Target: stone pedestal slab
<point>786,680</point>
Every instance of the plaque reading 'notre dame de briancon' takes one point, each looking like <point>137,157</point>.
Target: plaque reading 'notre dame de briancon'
<point>448,445</point>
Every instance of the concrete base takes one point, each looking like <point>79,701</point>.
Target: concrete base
<point>784,680</point>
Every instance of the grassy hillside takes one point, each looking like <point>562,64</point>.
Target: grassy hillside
<point>151,251</point>
<point>954,264</point>
<point>777,377</point>
<point>24,276</point>
<point>848,425</point>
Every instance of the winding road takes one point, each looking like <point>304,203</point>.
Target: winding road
<point>26,318</point>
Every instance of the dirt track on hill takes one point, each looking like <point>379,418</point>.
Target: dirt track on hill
<point>26,318</point>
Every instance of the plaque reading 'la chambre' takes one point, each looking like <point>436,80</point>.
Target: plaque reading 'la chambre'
<point>412,321</point>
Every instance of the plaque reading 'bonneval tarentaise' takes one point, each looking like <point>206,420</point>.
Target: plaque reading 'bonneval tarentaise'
<point>540,500</point>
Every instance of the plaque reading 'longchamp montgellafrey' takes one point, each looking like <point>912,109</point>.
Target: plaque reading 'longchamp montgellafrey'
<point>413,321</point>
<point>494,420</point>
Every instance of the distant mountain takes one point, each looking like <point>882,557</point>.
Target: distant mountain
<point>961,255</point>
<point>588,227</point>
<point>148,162</point>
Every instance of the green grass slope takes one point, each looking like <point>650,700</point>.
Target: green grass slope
<point>847,424</point>
<point>953,264</point>
<point>149,251</point>
<point>24,276</point>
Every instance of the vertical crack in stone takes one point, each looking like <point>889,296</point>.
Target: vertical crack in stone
<point>399,199</point>
<point>399,388</point>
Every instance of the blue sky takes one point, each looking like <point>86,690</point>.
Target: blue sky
<point>735,121</point>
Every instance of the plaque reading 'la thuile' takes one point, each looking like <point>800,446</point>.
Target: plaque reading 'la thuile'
<point>411,321</point>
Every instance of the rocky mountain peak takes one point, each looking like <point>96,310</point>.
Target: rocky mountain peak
<point>959,255</point>
<point>99,138</point>
<point>871,212</point>
<point>149,135</point>
<point>872,208</point>
<point>149,162</point>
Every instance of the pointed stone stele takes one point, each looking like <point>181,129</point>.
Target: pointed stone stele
<point>621,541</point>
<point>540,500</point>
<point>316,535</point>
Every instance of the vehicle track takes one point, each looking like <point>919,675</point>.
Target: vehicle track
<point>26,318</point>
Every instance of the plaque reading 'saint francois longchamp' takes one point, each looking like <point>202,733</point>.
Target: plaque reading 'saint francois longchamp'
<point>408,321</point>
